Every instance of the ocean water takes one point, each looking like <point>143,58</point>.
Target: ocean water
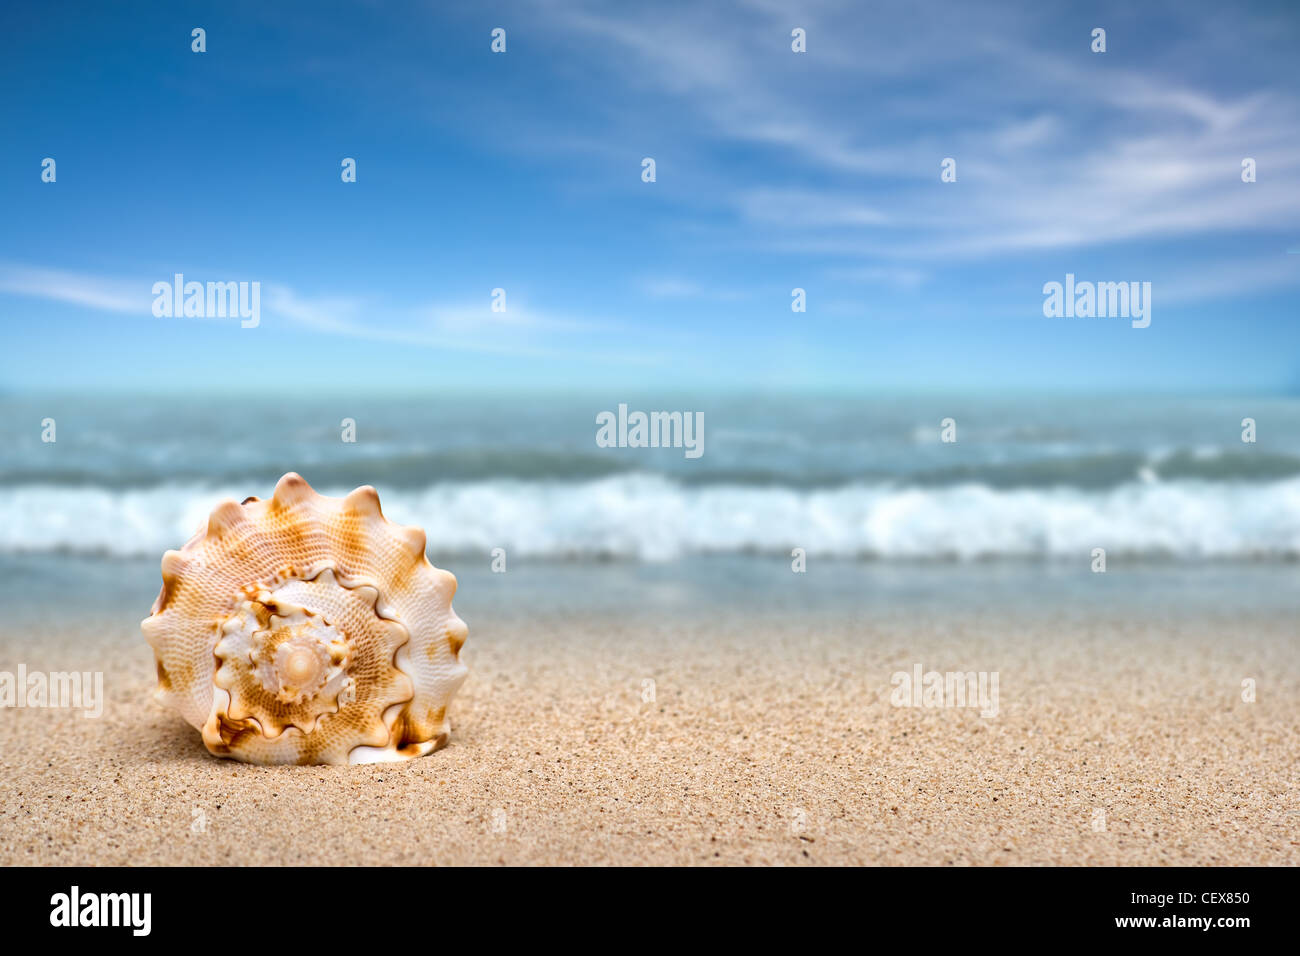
<point>851,477</point>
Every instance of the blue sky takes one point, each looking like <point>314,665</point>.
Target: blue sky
<point>775,170</point>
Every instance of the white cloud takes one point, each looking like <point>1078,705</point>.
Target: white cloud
<point>671,287</point>
<point>94,292</point>
<point>802,207</point>
<point>518,331</point>
<point>678,287</point>
<point>459,327</point>
<point>1055,149</point>
<point>901,277</point>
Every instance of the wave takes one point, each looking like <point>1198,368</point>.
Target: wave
<point>654,518</point>
<point>411,470</point>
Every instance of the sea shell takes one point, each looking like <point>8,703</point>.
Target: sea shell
<point>308,629</point>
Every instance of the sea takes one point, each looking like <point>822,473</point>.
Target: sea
<point>851,477</point>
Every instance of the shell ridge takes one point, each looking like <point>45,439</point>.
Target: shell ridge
<point>307,629</point>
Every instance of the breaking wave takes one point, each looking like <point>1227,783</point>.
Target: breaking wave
<point>654,517</point>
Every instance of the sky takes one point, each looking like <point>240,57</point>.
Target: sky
<point>775,170</point>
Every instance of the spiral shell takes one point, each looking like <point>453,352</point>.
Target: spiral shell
<point>307,629</point>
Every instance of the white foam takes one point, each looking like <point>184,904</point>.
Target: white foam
<point>652,518</point>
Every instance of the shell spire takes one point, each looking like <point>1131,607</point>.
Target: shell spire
<point>308,629</point>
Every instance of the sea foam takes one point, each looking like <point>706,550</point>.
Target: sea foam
<point>654,518</point>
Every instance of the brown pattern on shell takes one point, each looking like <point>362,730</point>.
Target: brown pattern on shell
<point>308,629</point>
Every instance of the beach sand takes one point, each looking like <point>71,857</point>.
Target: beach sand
<point>1121,737</point>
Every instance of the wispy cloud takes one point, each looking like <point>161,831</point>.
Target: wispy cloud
<point>460,327</point>
<point>1054,149</point>
<point>1256,275</point>
<point>804,207</point>
<point>91,291</point>
<point>670,287</point>
<point>901,277</point>
<point>473,328</point>
<point>678,287</point>
<point>776,170</point>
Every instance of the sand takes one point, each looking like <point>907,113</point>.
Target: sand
<point>770,739</point>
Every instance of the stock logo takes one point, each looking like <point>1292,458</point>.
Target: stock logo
<point>74,908</point>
